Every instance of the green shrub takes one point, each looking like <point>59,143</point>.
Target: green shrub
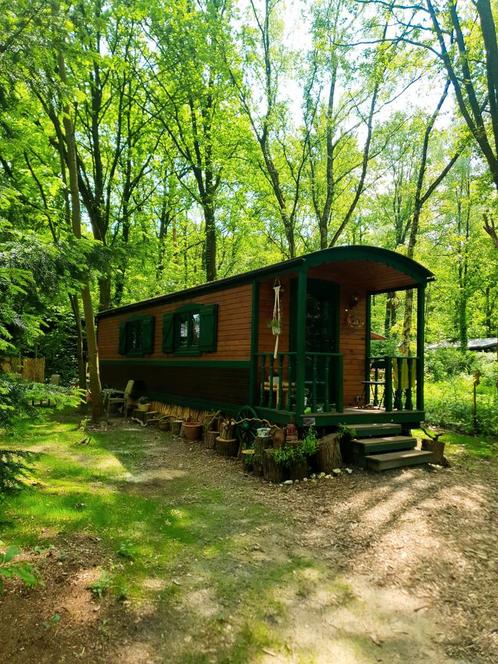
<point>448,362</point>
<point>288,454</point>
<point>10,569</point>
<point>17,399</point>
<point>449,404</point>
<point>15,465</point>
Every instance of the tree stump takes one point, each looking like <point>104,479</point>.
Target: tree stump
<point>227,447</point>
<point>329,455</point>
<point>176,427</point>
<point>299,469</point>
<point>272,471</point>
<point>437,449</point>
<point>259,447</point>
<point>211,439</point>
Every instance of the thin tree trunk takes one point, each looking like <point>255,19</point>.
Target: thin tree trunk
<point>91,337</point>
<point>80,355</point>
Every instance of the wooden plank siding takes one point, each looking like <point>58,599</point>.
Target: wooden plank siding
<point>266,340</point>
<point>234,326</point>
<point>187,379</point>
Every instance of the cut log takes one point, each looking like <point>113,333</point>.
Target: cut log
<point>437,449</point>
<point>272,471</point>
<point>329,453</point>
<point>211,439</point>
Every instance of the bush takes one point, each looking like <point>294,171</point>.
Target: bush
<point>16,403</point>
<point>449,404</point>
<point>10,568</point>
<point>448,362</point>
<point>17,399</point>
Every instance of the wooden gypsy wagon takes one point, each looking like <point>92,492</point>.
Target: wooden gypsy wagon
<point>215,346</point>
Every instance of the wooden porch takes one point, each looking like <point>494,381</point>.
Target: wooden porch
<point>323,369</point>
<point>391,390</point>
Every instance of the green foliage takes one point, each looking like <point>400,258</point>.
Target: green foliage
<point>10,569</point>
<point>449,404</point>
<point>18,398</point>
<point>101,586</point>
<point>289,454</point>
<point>450,362</point>
<point>15,465</point>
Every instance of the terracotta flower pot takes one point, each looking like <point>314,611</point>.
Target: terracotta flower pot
<point>192,431</point>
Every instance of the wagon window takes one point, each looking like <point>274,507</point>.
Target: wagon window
<point>187,330</point>
<point>191,329</point>
<point>136,336</point>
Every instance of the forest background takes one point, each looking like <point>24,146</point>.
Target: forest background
<point>150,146</point>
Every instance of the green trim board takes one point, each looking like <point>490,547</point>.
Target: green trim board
<point>368,336</point>
<point>413,417</point>
<point>417,272</point>
<point>254,343</point>
<point>302,284</point>
<point>420,345</point>
<point>208,364</point>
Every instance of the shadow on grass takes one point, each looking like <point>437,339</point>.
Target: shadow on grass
<point>228,576</point>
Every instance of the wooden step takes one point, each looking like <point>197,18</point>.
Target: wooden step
<point>397,459</point>
<point>384,444</point>
<point>372,430</point>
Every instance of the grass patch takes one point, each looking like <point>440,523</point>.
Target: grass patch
<point>169,545</point>
<point>483,447</point>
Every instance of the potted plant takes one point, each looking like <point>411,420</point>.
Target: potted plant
<point>274,325</point>
<point>192,431</point>
<point>143,404</point>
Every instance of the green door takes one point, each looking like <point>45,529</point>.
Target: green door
<point>322,317</point>
<point>322,336</point>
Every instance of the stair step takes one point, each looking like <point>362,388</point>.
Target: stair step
<point>371,430</point>
<point>384,444</point>
<point>397,459</point>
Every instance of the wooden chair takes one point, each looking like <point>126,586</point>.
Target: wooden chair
<point>120,398</point>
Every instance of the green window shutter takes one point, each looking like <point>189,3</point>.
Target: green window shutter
<point>122,338</point>
<point>209,327</point>
<point>168,333</point>
<point>147,334</point>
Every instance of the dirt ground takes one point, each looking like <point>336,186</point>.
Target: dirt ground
<point>402,568</point>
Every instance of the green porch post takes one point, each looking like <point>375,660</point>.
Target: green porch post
<point>301,340</point>
<point>253,371</point>
<point>420,345</point>
<point>368,344</point>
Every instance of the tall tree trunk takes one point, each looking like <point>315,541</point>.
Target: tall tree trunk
<point>419,202</point>
<point>80,354</point>
<point>210,246</point>
<point>390,315</point>
<point>86,297</point>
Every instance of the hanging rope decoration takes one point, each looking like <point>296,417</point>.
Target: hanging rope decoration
<point>275,321</point>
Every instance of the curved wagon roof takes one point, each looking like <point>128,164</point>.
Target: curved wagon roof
<point>378,269</point>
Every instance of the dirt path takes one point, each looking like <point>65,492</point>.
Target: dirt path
<point>362,568</point>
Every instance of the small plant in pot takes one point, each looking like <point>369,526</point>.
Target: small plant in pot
<point>143,404</point>
<point>295,458</point>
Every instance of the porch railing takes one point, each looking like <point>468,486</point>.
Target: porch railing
<point>323,381</point>
<point>392,382</point>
